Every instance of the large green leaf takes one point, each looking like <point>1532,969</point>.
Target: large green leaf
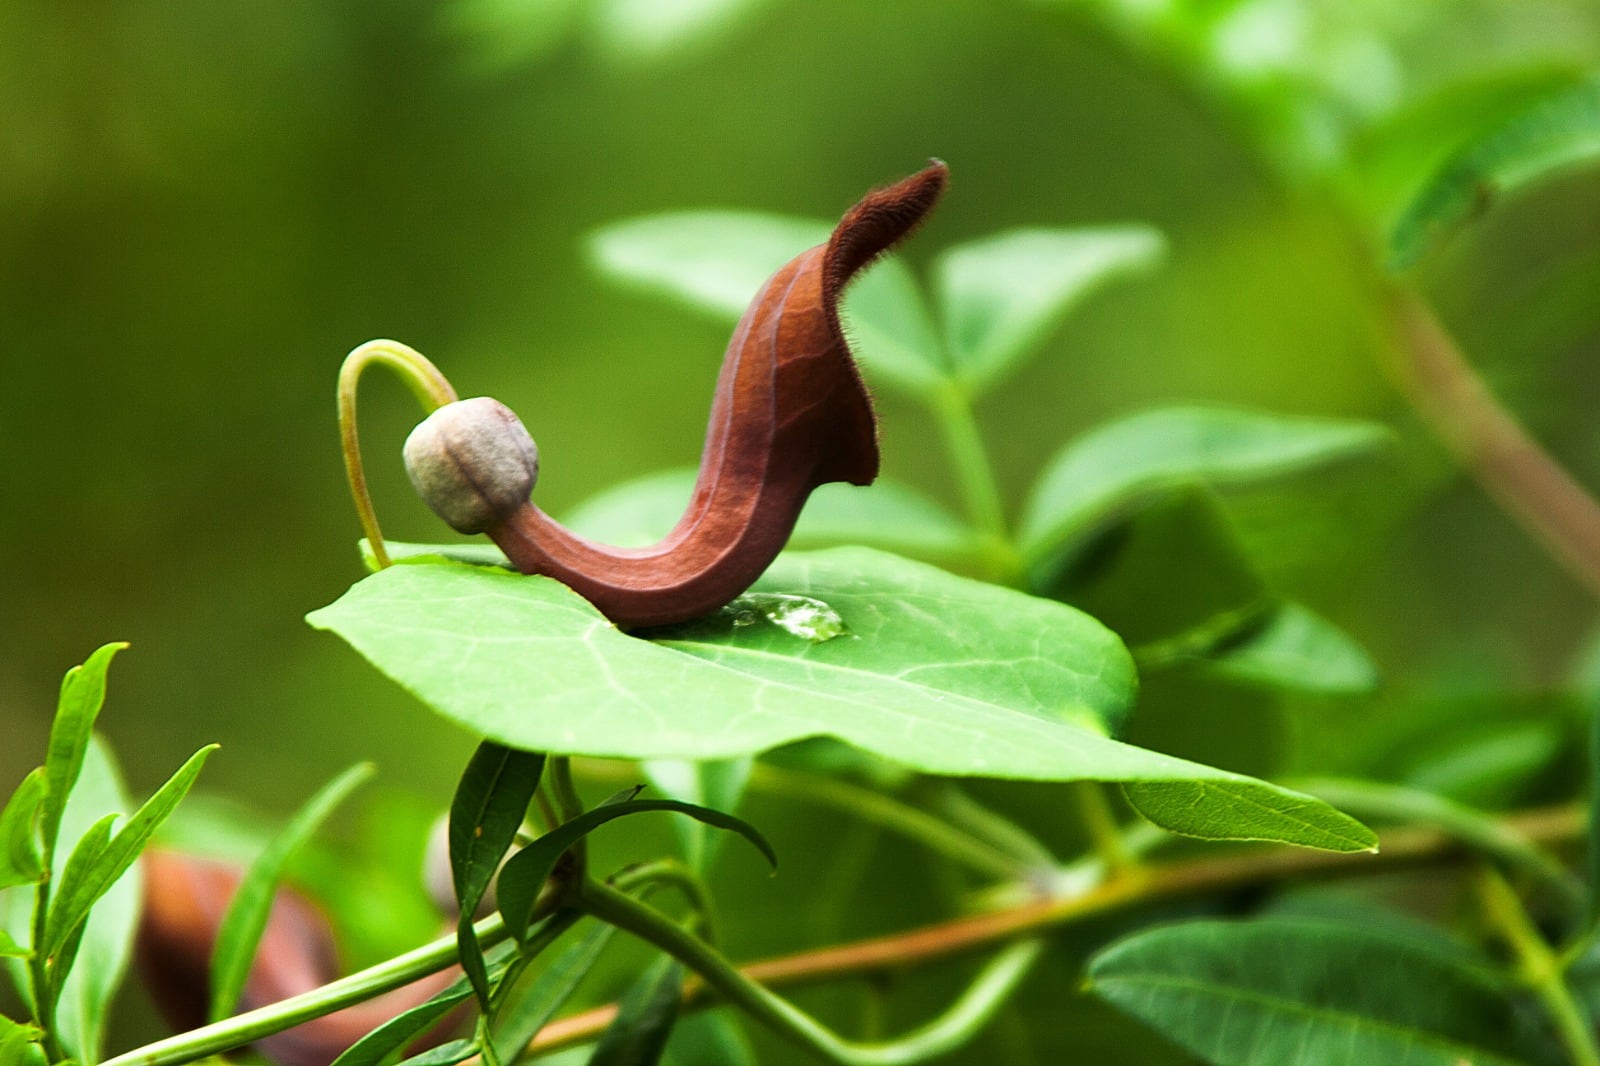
<point>938,673</point>
<point>1295,992</point>
<point>1114,466</point>
<point>1001,296</point>
<point>245,920</point>
<point>716,262</point>
<point>1559,131</point>
<point>885,515</point>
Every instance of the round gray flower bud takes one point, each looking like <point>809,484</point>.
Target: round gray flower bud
<point>473,463</point>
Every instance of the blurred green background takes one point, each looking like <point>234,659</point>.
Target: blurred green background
<point>203,205</point>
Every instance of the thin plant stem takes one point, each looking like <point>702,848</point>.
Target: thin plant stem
<point>980,493</point>
<point>40,970</point>
<point>960,1021</point>
<point>988,825</point>
<point>287,1013</point>
<point>1539,966</point>
<point>891,813</point>
<point>1402,848</point>
<point>1523,478</point>
<point>431,388</point>
<point>559,773</point>
<point>1104,832</point>
<point>1490,836</point>
<point>678,875</point>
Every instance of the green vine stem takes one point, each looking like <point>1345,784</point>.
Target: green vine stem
<point>1371,800</point>
<point>286,1014</point>
<point>989,826</point>
<point>1539,967</point>
<point>431,388</point>
<point>1104,832</point>
<point>677,874</point>
<point>992,987</point>
<point>1404,847</point>
<point>891,813</point>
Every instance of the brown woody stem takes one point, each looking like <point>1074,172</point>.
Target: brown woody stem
<point>1526,481</point>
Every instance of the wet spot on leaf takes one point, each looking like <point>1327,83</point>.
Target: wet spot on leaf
<point>802,616</point>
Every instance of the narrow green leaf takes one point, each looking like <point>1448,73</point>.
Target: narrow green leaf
<point>444,1055</point>
<point>490,803</point>
<point>710,1036</point>
<point>405,1027</point>
<point>79,876</point>
<point>1559,131</point>
<point>20,861</point>
<point>637,1036</point>
<point>716,262</point>
<point>1285,646</point>
<point>526,871</point>
<point>10,949</point>
<point>105,942</point>
<point>717,783</point>
<point>1274,991</point>
<point>1112,468</point>
<point>245,920</point>
<point>79,894</point>
<point>884,515</point>
<point>83,692</point>
<point>1240,810</point>
<point>940,674</point>
<point>1003,295</point>
<point>532,1004</point>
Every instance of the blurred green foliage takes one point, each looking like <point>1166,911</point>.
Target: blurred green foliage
<point>203,205</point>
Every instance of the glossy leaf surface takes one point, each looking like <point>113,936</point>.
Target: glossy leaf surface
<point>939,673</point>
<point>1296,992</point>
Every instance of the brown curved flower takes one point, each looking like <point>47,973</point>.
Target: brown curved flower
<point>790,413</point>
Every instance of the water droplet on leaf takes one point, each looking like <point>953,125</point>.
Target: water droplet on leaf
<point>802,616</point>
